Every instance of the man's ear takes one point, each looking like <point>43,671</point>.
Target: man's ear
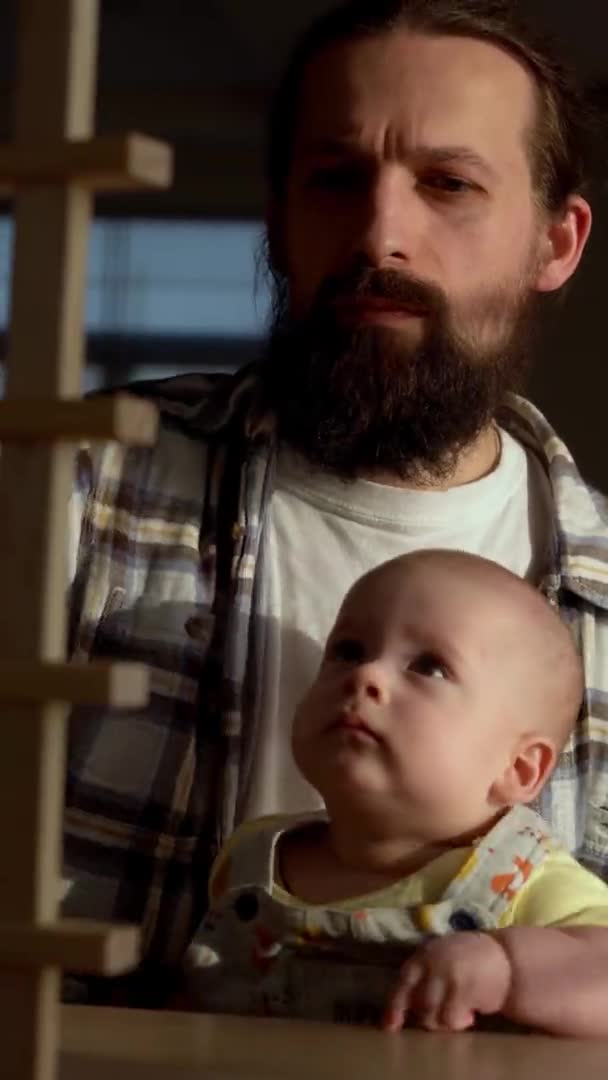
<point>274,232</point>
<point>529,770</point>
<point>563,242</point>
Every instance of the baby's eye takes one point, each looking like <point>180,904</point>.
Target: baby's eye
<point>348,650</point>
<point>430,666</point>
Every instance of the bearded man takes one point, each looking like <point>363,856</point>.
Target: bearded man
<point>427,166</point>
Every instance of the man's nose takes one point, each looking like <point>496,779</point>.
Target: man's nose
<point>390,230</point>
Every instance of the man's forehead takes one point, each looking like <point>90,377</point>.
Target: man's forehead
<point>431,91</point>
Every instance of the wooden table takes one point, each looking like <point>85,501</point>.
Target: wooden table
<point>113,1044</point>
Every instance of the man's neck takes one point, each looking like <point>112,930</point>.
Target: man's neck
<point>476,461</point>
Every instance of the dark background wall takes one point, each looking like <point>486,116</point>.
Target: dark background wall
<point>199,73</point>
<point>570,380</point>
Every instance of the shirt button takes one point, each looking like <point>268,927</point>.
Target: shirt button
<point>246,907</point>
<point>196,628</point>
<point>462,921</point>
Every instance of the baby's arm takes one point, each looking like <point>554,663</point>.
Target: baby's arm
<point>547,969</point>
<point>559,978</point>
<point>553,979</point>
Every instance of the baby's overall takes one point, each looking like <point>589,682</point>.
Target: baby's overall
<point>255,955</point>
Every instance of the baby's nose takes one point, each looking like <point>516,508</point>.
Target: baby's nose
<point>372,683</point>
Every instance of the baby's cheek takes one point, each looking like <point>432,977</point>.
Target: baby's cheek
<point>447,768</point>
<point>303,753</point>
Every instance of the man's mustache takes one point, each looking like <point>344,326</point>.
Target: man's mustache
<point>391,285</point>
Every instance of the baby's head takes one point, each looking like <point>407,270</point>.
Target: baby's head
<point>447,690</point>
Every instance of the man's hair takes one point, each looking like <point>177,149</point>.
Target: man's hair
<point>562,142</point>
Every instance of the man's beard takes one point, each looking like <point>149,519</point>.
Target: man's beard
<point>365,400</point>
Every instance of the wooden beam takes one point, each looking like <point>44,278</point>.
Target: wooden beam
<point>79,946</point>
<point>212,180</point>
<point>117,685</point>
<point>123,418</point>
<point>107,163</point>
<point>218,140</point>
<point>54,101</point>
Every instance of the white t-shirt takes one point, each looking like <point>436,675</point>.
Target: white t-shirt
<point>322,534</point>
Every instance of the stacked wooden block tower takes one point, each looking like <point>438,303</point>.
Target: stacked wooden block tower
<point>52,169</point>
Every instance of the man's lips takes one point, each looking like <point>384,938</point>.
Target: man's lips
<point>377,305</point>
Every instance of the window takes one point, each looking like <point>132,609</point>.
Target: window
<point>165,297</point>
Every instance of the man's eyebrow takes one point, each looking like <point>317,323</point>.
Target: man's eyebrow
<point>458,154</point>
<point>439,155</point>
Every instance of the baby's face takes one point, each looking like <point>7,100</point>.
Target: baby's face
<point>414,710</point>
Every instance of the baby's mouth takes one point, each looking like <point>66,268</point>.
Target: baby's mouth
<point>353,722</point>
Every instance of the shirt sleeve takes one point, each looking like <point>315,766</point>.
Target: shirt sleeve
<point>560,893</point>
<point>75,511</point>
<point>83,479</point>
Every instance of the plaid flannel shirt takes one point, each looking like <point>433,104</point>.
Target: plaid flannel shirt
<point>165,570</point>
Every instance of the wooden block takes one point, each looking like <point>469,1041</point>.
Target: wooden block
<point>123,418</point>
<point>84,947</point>
<point>105,163</point>
<point>118,685</point>
<point>53,167</point>
<point>29,1006</point>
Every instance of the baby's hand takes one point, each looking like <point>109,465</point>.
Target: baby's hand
<point>448,980</point>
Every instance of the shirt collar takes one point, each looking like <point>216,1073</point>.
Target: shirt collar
<point>581,513</point>
<point>209,405</point>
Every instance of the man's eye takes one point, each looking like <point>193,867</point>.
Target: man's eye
<point>348,650</point>
<point>430,666</point>
<point>449,185</point>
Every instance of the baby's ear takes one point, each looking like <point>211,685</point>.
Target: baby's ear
<point>528,771</point>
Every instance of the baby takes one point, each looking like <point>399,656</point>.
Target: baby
<point>429,890</point>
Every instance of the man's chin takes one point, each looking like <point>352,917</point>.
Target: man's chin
<point>398,399</point>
